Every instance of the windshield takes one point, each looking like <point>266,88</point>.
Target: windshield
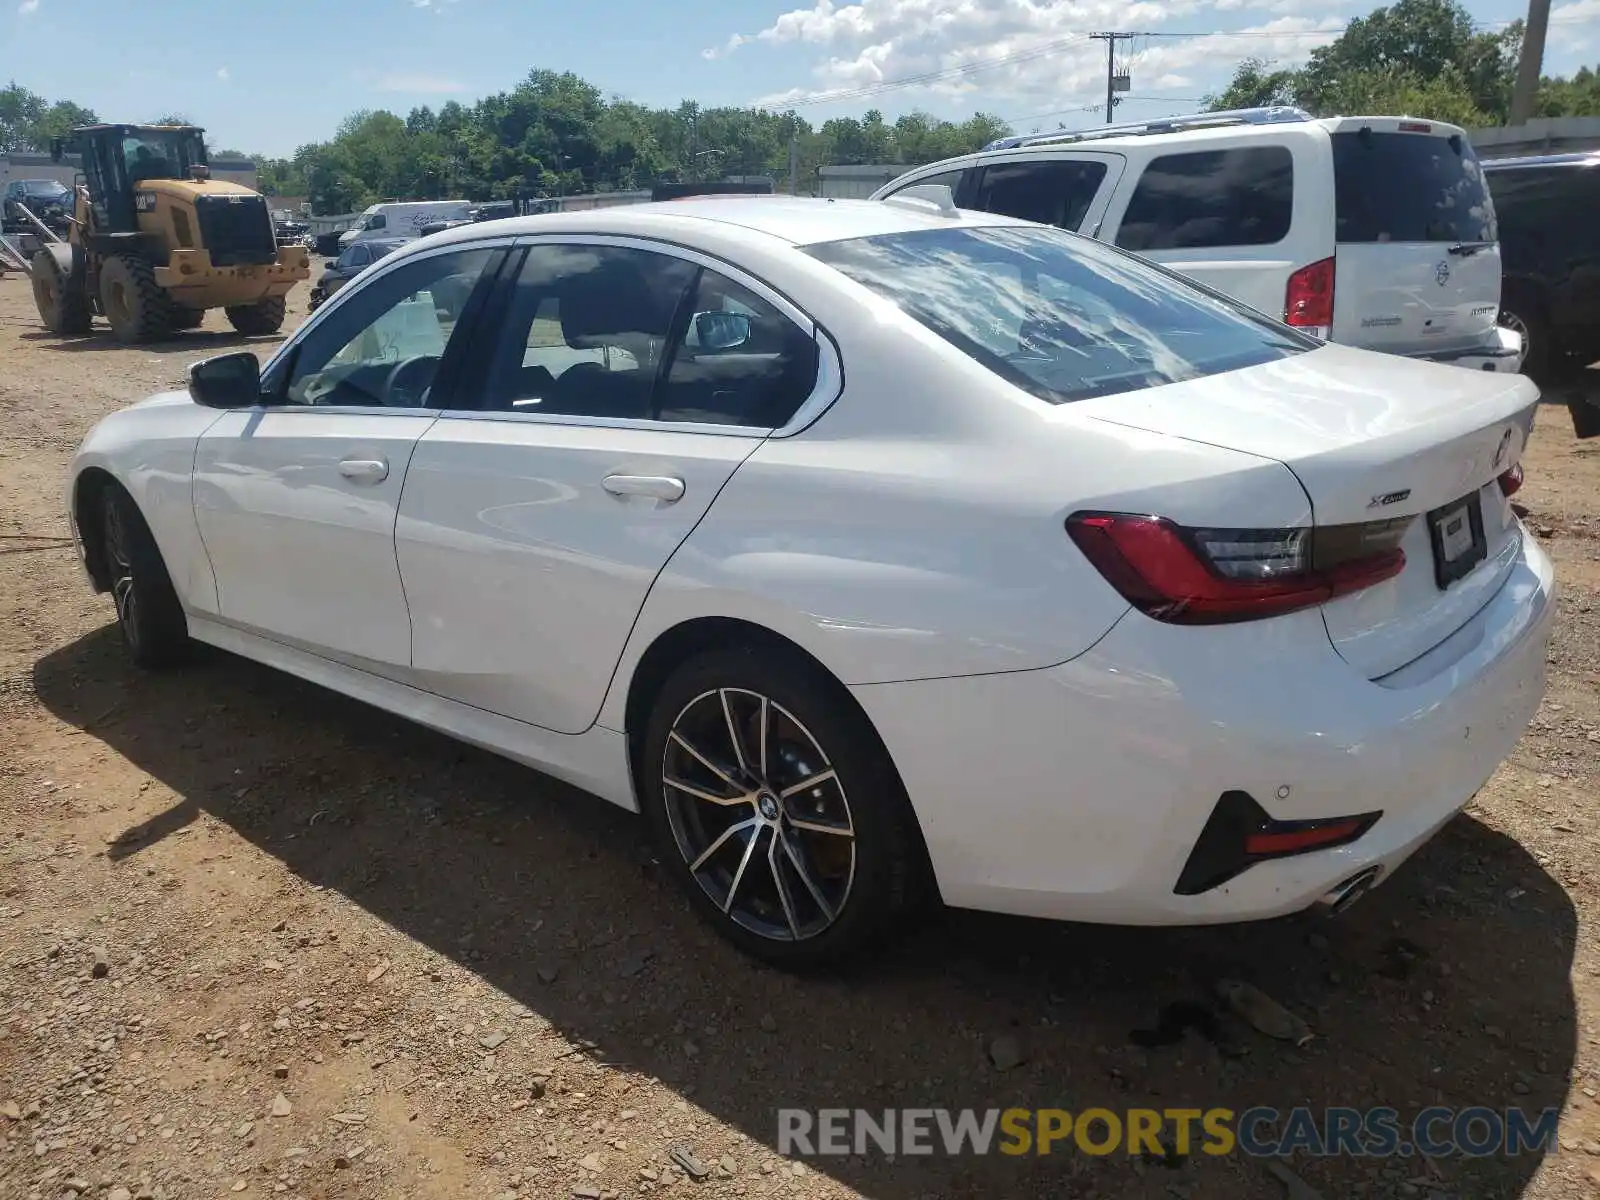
<point>373,221</point>
<point>1408,187</point>
<point>43,187</point>
<point>167,155</point>
<point>1062,317</point>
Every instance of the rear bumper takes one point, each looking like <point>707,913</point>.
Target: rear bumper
<point>1504,357</point>
<point>1078,792</point>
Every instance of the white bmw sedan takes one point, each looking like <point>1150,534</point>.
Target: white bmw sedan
<point>877,553</point>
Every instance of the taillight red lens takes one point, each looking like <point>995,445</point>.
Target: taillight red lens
<point>1308,300</point>
<point>1511,480</point>
<point>1296,838</point>
<point>1216,576</point>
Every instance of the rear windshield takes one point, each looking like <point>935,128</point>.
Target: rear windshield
<point>1408,187</point>
<point>1060,316</point>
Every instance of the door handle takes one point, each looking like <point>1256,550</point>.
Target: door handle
<point>664,488</point>
<point>364,470</point>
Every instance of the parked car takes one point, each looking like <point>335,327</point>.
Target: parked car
<point>48,199</point>
<point>494,210</point>
<point>934,555</point>
<point>354,260</point>
<point>1376,232</point>
<point>1550,251</point>
<point>404,219</point>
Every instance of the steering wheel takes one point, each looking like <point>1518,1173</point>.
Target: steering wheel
<point>409,381</point>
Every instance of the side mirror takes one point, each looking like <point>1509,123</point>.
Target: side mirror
<point>228,381</point>
<point>722,330</point>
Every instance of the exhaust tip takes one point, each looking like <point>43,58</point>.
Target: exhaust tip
<point>1337,899</point>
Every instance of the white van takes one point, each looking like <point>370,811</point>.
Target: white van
<point>404,219</point>
<point>1376,232</point>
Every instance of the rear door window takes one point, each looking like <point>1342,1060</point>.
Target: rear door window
<point>1055,193</point>
<point>1409,187</point>
<point>1239,197</point>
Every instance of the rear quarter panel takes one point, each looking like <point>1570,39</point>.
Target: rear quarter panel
<point>1253,275</point>
<point>917,529</point>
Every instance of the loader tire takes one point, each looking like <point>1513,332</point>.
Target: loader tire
<point>264,316</point>
<point>138,310</point>
<point>63,307</point>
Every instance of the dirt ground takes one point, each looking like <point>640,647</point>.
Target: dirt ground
<point>339,956</point>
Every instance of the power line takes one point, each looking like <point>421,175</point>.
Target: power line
<point>1111,40</point>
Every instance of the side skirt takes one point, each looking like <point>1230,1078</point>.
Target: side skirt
<point>595,760</point>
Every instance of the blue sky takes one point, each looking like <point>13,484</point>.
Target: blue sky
<point>267,77</point>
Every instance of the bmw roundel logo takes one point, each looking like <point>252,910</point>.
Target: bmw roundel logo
<point>1441,274</point>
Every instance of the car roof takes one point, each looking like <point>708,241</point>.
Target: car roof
<point>799,221</point>
<point>1590,158</point>
<point>1173,134</point>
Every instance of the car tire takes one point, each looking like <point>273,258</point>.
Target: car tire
<point>1523,314</point>
<point>262,317</point>
<point>817,893</point>
<point>138,310</point>
<point>63,308</point>
<point>149,614</point>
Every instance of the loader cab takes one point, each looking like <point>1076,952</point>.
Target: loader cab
<point>116,158</point>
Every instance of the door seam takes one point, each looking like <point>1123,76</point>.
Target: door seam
<point>394,545</point>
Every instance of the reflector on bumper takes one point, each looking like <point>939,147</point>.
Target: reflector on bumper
<point>1240,833</point>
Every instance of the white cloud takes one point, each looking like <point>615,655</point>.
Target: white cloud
<point>27,8</point>
<point>431,84</point>
<point>1032,53</point>
<point>1579,12</point>
<point>223,75</point>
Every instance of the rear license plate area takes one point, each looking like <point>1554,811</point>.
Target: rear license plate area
<point>1459,544</point>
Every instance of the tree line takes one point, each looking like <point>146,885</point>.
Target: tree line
<point>553,134</point>
<point>1421,58</point>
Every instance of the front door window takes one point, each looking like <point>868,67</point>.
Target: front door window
<point>383,347</point>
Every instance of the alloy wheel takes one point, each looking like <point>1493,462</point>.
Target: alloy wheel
<point>119,564</point>
<point>759,814</point>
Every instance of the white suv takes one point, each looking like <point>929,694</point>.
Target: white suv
<point>1372,231</point>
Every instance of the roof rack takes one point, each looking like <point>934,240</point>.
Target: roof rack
<point>1276,114</point>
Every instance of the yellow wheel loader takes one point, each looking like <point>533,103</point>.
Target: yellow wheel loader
<point>155,241</point>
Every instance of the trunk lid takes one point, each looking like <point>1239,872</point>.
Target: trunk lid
<point>1417,263</point>
<point>1373,438</point>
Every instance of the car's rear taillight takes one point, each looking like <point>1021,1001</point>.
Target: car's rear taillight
<point>1308,299</point>
<point>1511,480</point>
<point>1215,576</point>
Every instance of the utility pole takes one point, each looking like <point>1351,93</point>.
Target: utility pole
<point>1529,65</point>
<point>1111,40</point>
